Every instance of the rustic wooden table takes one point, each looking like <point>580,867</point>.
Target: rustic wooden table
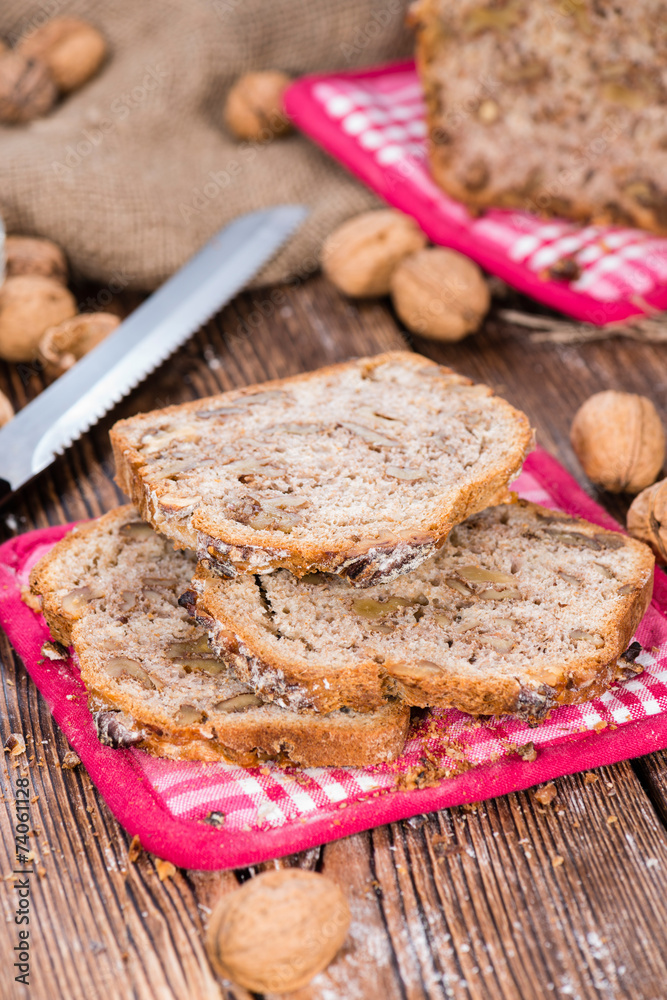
<point>487,917</point>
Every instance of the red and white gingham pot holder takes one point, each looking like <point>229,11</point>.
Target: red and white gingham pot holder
<point>270,811</point>
<point>373,122</point>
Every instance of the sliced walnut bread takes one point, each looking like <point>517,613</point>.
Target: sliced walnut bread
<point>110,589</point>
<point>520,610</point>
<point>557,108</point>
<point>359,469</point>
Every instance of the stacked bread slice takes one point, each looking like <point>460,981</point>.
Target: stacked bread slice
<point>111,589</point>
<point>310,558</point>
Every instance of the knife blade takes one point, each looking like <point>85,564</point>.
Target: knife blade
<point>68,407</point>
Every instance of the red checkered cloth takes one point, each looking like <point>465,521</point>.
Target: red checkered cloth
<point>373,121</point>
<point>270,811</point>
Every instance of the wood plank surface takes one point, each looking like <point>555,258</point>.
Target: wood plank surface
<point>509,899</point>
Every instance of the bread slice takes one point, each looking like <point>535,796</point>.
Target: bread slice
<point>359,469</point>
<point>554,109</point>
<point>520,610</point>
<point>111,589</point>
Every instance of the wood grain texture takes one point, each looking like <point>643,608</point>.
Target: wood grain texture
<point>462,903</point>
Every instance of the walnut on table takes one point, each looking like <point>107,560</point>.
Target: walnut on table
<point>29,304</point>
<point>647,518</point>
<point>440,294</point>
<point>361,255</point>
<point>63,345</point>
<point>278,930</point>
<point>34,255</point>
<point>619,440</point>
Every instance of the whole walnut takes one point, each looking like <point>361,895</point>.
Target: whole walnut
<point>27,89</point>
<point>647,518</point>
<point>361,255</point>
<point>440,294</point>
<point>254,106</point>
<point>30,255</point>
<point>29,304</point>
<point>61,346</point>
<point>6,409</point>
<point>72,49</point>
<point>619,439</point>
<point>278,930</point>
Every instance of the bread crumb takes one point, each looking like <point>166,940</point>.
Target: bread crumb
<point>546,794</point>
<point>557,861</point>
<point>53,651</point>
<point>590,778</point>
<point>215,818</point>
<point>165,869</point>
<point>134,850</point>
<point>33,601</point>
<point>527,752</point>
<point>70,760</point>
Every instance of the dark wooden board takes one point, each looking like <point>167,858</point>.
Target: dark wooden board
<point>462,903</point>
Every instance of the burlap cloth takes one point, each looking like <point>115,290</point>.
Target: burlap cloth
<point>134,172</point>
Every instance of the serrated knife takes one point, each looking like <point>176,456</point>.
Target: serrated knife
<point>68,407</point>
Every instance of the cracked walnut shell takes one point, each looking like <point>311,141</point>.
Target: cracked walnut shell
<point>619,439</point>
<point>362,254</point>
<point>440,294</point>
<point>63,345</point>
<point>72,49</point>
<point>278,930</point>
<point>27,89</point>
<point>647,518</point>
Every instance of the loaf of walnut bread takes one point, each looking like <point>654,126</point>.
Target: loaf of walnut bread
<point>554,108</point>
<point>359,469</point>
<point>110,589</point>
<point>520,610</point>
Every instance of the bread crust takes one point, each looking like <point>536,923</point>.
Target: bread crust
<point>265,732</point>
<point>319,741</point>
<point>234,548</point>
<point>365,684</point>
